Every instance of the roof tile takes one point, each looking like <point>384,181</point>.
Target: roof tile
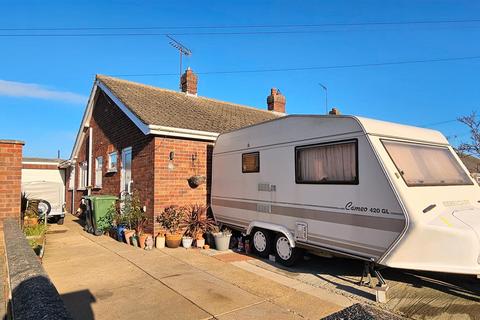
<point>156,106</point>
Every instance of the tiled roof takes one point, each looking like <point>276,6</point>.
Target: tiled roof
<point>472,163</point>
<point>50,160</point>
<point>156,106</point>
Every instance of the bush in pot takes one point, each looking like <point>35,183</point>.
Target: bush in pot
<point>197,223</point>
<point>132,217</point>
<point>170,219</point>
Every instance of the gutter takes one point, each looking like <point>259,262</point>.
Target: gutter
<point>184,133</point>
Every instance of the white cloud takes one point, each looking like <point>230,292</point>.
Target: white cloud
<point>32,90</point>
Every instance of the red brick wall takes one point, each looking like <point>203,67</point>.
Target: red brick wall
<point>113,131</point>
<point>159,184</point>
<point>10,179</point>
<point>170,178</point>
<point>40,166</point>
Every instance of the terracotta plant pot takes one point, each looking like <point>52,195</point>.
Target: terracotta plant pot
<point>173,240</point>
<point>200,242</point>
<point>30,221</point>
<point>128,235</point>
<point>142,238</point>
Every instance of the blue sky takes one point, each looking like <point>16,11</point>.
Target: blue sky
<point>45,81</point>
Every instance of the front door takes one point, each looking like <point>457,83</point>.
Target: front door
<point>126,172</point>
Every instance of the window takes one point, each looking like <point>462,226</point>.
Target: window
<point>98,172</point>
<point>112,162</point>
<point>83,176</point>
<point>423,165</point>
<point>71,178</point>
<point>251,162</point>
<point>328,163</point>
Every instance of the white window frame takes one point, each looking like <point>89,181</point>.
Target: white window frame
<point>112,168</point>
<point>71,178</point>
<point>98,172</point>
<point>298,152</point>
<point>82,175</point>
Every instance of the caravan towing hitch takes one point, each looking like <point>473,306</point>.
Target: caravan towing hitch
<point>371,269</point>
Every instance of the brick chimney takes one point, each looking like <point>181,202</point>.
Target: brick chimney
<point>334,112</point>
<point>188,82</point>
<point>276,101</point>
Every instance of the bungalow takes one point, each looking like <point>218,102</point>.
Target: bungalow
<point>139,137</point>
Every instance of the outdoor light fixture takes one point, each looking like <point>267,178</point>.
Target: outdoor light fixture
<point>171,156</point>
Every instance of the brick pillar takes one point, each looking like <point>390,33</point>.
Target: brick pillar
<point>10,179</point>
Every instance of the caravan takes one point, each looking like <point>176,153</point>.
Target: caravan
<point>390,194</point>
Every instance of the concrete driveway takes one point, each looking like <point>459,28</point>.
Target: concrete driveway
<point>100,278</point>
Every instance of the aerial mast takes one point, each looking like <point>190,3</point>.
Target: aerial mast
<point>182,50</point>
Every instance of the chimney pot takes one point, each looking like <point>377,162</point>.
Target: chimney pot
<point>189,81</point>
<point>276,101</point>
<point>334,112</point>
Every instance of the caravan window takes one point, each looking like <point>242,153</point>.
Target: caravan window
<point>251,162</point>
<point>327,163</point>
<point>423,165</point>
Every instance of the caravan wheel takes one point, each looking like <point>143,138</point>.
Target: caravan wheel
<point>262,242</point>
<point>284,253</point>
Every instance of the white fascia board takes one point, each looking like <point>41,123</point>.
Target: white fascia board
<point>42,163</point>
<point>139,123</point>
<point>183,133</point>
<point>85,120</point>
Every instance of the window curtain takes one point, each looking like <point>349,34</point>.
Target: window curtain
<point>335,162</point>
<point>425,165</point>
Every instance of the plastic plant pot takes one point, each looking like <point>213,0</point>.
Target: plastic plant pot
<point>222,242</point>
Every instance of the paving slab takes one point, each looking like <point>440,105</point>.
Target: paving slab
<point>211,294</point>
<point>264,310</point>
<point>101,278</point>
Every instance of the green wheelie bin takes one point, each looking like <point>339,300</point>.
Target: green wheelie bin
<point>100,206</point>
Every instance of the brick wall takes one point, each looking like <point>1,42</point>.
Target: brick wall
<point>159,181</point>
<point>53,166</point>
<point>112,132</point>
<point>10,179</point>
<point>170,176</point>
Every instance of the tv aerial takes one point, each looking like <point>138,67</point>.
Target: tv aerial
<point>182,50</point>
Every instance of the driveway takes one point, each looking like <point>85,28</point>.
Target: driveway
<point>100,278</point>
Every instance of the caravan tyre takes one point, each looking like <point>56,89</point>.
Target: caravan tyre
<point>284,253</point>
<point>262,242</point>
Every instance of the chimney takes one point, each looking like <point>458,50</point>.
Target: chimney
<point>334,112</point>
<point>276,101</point>
<point>188,82</point>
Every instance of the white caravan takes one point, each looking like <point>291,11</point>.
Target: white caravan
<point>390,194</point>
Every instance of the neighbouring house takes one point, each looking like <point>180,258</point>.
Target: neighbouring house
<point>153,140</point>
<point>473,165</point>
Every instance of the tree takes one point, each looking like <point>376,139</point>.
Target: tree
<point>471,147</point>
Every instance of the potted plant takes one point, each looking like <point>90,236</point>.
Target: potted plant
<point>222,239</point>
<point>142,235</point>
<point>197,223</point>
<point>187,241</point>
<point>170,219</point>
<point>160,240</point>
<point>131,215</point>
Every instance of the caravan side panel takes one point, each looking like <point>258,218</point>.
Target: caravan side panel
<point>362,219</point>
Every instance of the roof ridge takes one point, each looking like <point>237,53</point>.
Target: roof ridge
<point>100,76</point>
